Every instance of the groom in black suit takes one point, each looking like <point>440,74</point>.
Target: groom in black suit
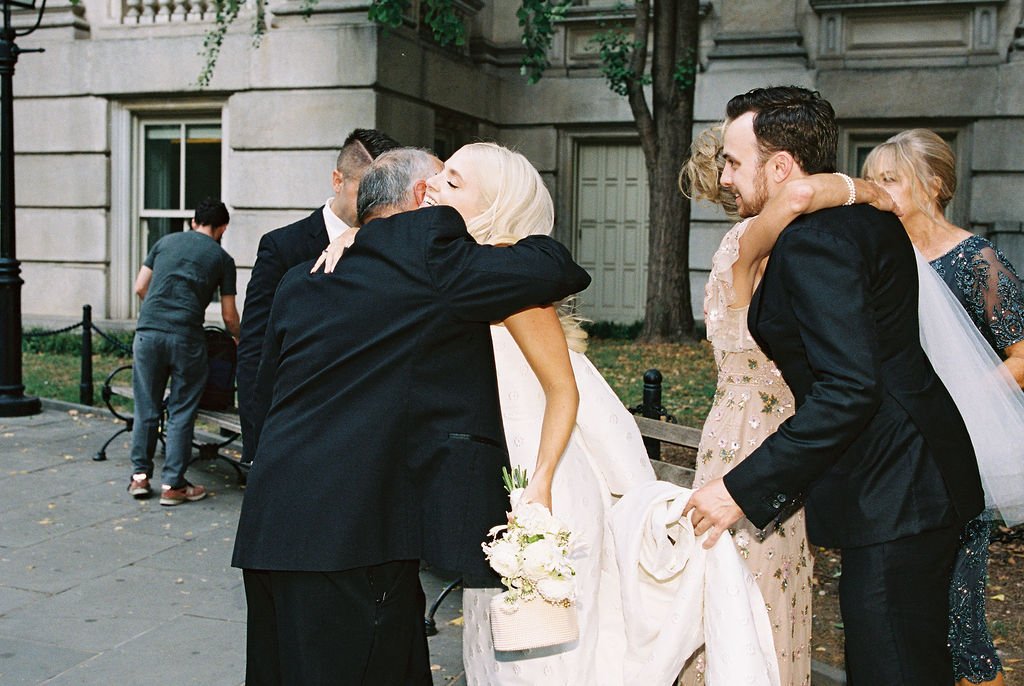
<point>283,248</point>
<point>382,443</point>
<point>877,452</point>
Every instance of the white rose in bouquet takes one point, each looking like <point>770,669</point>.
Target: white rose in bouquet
<point>540,557</point>
<point>557,590</point>
<point>504,558</point>
<point>534,518</point>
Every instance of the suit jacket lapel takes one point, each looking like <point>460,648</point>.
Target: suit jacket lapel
<point>317,237</point>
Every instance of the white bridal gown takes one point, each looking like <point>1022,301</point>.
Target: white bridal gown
<point>638,539</point>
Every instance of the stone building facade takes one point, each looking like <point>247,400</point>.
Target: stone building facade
<point>115,142</point>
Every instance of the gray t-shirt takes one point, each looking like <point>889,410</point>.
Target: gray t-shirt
<point>188,267</point>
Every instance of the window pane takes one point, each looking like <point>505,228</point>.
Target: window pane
<point>862,155</point>
<point>162,171</point>
<point>202,163</point>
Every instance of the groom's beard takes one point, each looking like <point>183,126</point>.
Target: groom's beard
<point>749,206</point>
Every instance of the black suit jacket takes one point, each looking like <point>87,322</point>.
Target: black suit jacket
<point>877,448</point>
<point>279,251</point>
<point>383,438</point>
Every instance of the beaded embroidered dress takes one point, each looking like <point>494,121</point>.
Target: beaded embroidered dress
<point>750,403</point>
<point>989,289</point>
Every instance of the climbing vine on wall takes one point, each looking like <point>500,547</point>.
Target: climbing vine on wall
<point>537,19</point>
<point>440,16</point>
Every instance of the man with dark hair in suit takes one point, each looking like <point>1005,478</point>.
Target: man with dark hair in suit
<point>283,248</point>
<point>381,443</point>
<point>877,452</point>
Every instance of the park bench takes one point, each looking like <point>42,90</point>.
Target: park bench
<point>209,445</point>
<point>219,392</point>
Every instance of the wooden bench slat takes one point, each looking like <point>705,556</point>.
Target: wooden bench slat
<point>123,391</point>
<point>680,476</point>
<point>668,433</point>
<point>225,420</point>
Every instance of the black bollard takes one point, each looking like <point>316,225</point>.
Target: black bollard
<point>651,409</point>
<point>85,388</point>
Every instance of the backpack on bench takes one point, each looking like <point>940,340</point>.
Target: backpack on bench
<point>221,356</point>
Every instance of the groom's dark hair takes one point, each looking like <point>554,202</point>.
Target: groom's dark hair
<point>794,120</point>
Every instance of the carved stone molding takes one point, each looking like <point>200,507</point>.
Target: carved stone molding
<point>832,5</point>
<point>921,32</point>
<point>786,44</point>
<point>59,14</point>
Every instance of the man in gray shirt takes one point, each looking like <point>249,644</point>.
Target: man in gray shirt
<point>176,283</point>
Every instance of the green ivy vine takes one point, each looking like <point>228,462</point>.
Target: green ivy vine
<point>226,11</point>
<point>685,72</point>
<point>537,19</point>
<point>445,24</point>
<point>615,48</point>
<point>388,12</point>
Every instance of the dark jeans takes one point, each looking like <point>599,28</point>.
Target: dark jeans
<point>895,603</point>
<point>356,627</point>
<point>159,357</point>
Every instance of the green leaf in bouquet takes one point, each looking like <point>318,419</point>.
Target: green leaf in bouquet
<point>515,479</point>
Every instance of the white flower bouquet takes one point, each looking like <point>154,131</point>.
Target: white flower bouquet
<point>531,553</point>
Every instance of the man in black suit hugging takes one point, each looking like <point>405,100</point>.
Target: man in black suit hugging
<point>283,248</point>
<point>382,441</point>
<point>877,452</point>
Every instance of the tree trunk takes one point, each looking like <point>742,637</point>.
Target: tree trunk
<point>668,313</point>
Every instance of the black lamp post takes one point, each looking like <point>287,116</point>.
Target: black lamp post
<point>13,401</point>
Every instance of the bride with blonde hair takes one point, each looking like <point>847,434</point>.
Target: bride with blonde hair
<point>584,456</point>
<point>599,450</point>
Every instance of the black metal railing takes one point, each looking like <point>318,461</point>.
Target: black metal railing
<point>86,389</point>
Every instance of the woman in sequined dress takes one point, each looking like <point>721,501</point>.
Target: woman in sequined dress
<point>752,400</point>
<point>918,168</point>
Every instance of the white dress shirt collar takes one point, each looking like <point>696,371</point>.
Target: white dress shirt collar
<point>335,226</point>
